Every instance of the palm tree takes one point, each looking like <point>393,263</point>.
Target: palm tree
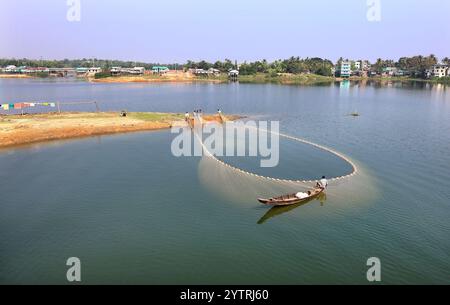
<point>379,65</point>
<point>432,60</point>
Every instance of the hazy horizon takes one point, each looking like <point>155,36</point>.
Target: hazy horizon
<point>175,31</point>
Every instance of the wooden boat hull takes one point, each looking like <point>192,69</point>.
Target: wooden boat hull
<point>290,199</point>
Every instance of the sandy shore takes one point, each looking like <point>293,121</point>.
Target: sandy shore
<point>31,128</point>
<point>175,77</point>
<point>14,76</point>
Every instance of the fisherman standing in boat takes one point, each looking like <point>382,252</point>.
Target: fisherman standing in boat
<point>323,183</point>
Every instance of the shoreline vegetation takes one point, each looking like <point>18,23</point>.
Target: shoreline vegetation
<point>259,78</point>
<point>19,129</point>
<point>181,77</point>
<point>289,71</point>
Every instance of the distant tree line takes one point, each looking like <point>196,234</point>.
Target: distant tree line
<point>223,66</point>
<point>417,64</point>
<point>86,63</point>
<point>292,65</point>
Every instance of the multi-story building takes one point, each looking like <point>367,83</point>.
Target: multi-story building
<point>362,65</point>
<point>94,70</point>
<point>345,69</point>
<point>440,70</point>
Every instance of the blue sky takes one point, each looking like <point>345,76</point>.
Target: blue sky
<point>177,30</point>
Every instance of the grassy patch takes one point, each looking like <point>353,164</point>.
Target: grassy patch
<point>443,80</point>
<point>104,74</point>
<point>294,79</point>
<point>155,116</point>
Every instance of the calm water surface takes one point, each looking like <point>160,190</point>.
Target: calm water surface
<point>133,213</point>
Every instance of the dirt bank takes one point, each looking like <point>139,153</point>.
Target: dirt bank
<point>173,76</point>
<point>31,128</point>
<point>14,76</point>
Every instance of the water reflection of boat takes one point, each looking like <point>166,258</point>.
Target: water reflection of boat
<point>278,210</point>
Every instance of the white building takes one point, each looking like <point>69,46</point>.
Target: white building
<point>199,71</point>
<point>362,65</point>
<point>93,70</point>
<point>213,71</point>
<point>440,70</point>
<point>116,70</point>
<point>233,73</point>
<point>10,69</point>
<point>138,70</point>
<point>133,71</point>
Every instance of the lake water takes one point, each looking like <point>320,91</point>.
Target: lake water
<point>133,213</point>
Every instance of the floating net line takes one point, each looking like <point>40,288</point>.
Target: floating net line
<point>322,147</point>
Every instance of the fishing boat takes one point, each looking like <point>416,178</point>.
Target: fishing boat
<point>290,199</point>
